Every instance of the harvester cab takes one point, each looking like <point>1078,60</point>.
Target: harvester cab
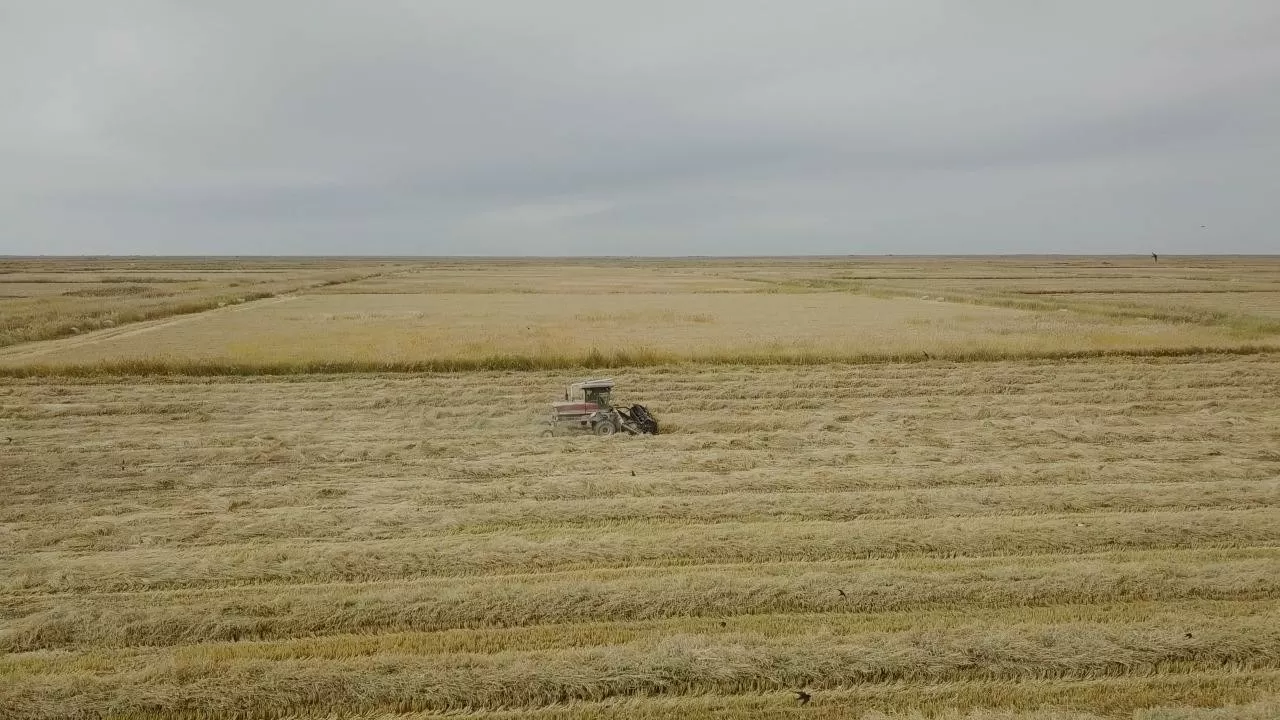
<point>588,406</point>
<point>598,392</point>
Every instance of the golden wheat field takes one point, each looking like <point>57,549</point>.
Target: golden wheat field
<point>945,488</point>
<point>530,315</point>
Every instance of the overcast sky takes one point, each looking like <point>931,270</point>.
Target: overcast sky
<point>566,127</point>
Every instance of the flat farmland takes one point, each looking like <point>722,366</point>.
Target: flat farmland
<point>905,491</point>
<point>1262,303</point>
<point>531,315</point>
<point>44,299</point>
<point>393,328</point>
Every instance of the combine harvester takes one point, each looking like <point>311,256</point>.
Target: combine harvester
<point>587,408</point>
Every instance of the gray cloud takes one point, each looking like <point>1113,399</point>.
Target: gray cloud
<point>571,127</point>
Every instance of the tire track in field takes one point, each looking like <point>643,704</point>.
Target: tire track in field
<point>25,352</point>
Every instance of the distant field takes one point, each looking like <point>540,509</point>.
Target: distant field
<point>550,278</point>
<point>549,315</point>
<point>675,327</point>
<point>1262,304</point>
<point>975,526</point>
<point>43,299</point>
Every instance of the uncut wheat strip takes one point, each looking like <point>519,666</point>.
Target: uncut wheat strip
<point>1252,695</point>
<point>220,403</point>
<point>1043,383</point>
<point>634,545</point>
<point>913,392</point>
<point>762,411</point>
<point>400,519</point>
<point>899,442</point>
<point>1182,617</point>
<point>1014,376</point>
<point>714,593</point>
<point>270,429</point>
<point>1138,422</point>
<point>680,664</point>
<point>225,426</point>
<point>41,463</point>
<point>368,391</point>
<point>793,414</point>
<point>856,452</point>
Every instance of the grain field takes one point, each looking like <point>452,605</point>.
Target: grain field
<point>1026,538</point>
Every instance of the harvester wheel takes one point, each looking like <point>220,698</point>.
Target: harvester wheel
<point>605,428</point>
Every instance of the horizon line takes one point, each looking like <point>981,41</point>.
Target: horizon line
<point>639,257</point>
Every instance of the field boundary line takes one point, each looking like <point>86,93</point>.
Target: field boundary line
<point>594,360</point>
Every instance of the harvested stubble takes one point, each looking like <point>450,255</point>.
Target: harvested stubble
<point>1127,699</point>
<point>346,521</point>
<point>675,664</point>
<point>1015,540</point>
